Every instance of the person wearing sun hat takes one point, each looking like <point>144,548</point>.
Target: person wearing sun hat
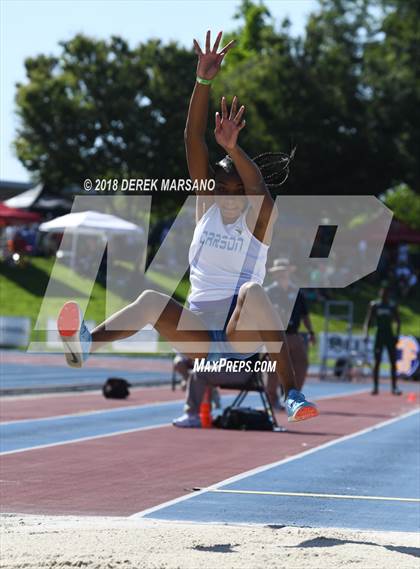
<point>281,292</point>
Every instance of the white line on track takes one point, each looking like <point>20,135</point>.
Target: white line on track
<point>122,432</point>
<point>144,405</point>
<point>265,467</point>
<point>82,439</point>
<point>98,391</point>
<point>313,495</point>
<point>93,412</point>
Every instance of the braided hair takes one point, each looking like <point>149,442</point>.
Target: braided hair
<point>274,167</point>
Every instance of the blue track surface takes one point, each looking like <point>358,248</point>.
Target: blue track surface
<point>16,376</point>
<point>26,434</point>
<point>382,462</point>
<point>21,377</point>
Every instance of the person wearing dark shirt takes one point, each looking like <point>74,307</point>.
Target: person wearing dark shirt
<point>281,292</point>
<point>383,313</point>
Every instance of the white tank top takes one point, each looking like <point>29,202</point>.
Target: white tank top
<point>223,257</point>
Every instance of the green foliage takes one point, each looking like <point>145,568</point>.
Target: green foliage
<point>391,63</point>
<point>252,37</point>
<point>22,291</point>
<point>101,110</point>
<point>306,92</point>
<point>347,93</point>
<point>405,204</point>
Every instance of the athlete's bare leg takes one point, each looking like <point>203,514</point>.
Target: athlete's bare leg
<point>255,321</point>
<point>163,313</point>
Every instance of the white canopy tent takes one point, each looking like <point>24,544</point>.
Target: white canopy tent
<point>90,223</point>
<point>26,199</point>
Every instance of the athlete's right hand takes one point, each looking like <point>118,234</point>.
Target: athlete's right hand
<point>228,127</point>
<point>209,62</point>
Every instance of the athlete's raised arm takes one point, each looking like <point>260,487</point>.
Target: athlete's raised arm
<point>208,66</point>
<point>228,126</point>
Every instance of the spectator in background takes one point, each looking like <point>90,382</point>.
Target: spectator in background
<point>383,313</point>
<point>28,234</point>
<point>281,292</point>
<point>195,385</point>
<point>183,366</point>
<point>9,235</point>
<point>406,279</point>
<point>402,255</point>
<point>20,242</point>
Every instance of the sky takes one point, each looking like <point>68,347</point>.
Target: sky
<point>32,27</point>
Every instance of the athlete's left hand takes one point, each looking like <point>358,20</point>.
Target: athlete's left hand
<point>228,125</point>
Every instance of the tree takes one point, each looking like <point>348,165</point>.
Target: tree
<point>392,79</point>
<point>305,91</point>
<point>347,93</point>
<point>405,204</point>
<point>101,110</point>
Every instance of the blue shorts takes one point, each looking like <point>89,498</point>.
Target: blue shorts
<point>213,315</point>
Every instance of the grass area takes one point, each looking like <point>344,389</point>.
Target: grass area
<point>167,284</point>
<point>22,290</point>
<point>361,294</point>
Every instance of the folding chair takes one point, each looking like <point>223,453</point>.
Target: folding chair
<point>254,384</point>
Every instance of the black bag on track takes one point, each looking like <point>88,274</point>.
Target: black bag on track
<point>116,388</point>
<point>244,419</point>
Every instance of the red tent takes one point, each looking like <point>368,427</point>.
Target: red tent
<point>12,216</point>
<point>398,233</point>
<point>401,233</point>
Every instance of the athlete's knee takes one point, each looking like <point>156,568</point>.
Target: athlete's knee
<point>149,301</point>
<point>251,296</point>
<point>146,296</point>
<point>251,290</point>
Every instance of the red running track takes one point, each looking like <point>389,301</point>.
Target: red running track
<point>39,406</point>
<point>125,474</point>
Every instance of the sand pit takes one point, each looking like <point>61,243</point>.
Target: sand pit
<point>46,541</point>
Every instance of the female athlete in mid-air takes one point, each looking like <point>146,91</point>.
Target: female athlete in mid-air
<point>224,281</point>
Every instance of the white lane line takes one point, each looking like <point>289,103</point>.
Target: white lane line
<point>124,408</point>
<point>265,467</point>
<point>82,439</point>
<point>93,412</point>
<point>313,495</point>
<point>88,438</point>
<point>75,393</point>
<point>342,394</point>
